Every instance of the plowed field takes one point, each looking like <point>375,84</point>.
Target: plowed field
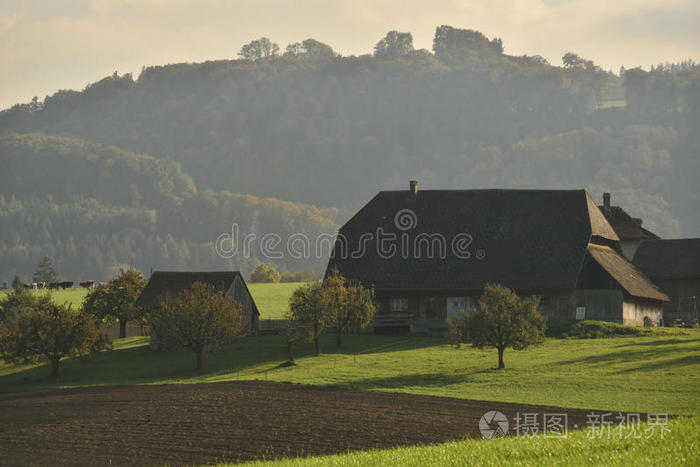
<point>235,421</point>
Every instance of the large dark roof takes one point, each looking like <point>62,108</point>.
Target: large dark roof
<point>626,227</point>
<point>525,239</point>
<point>669,259</point>
<point>630,278</point>
<point>173,282</point>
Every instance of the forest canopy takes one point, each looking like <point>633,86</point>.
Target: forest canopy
<point>140,162</point>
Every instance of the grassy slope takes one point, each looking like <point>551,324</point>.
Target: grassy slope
<point>679,446</point>
<point>645,374</point>
<point>272,299</point>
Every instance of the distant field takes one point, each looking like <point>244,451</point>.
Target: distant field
<point>74,296</point>
<point>273,299</point>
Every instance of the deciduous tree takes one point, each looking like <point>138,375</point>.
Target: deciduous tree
<point>307,305</point>
<point>115,301</point>
<point>199,319</point>
<point>34,328</point>
<point>395,44</point>
<point>348,305</point>
<point>265,273</point>
<point>259,48</point>
<point>500,319</point>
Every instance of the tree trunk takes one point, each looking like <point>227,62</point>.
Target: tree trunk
<point>500,357</point>
<point>290,353</point>
<point>199,360</point>
<point>122,328</point>
<point>54,365</point>
<point>339,337</point>
<point>317,344</point>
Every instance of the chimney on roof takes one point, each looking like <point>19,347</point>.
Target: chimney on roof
<point>413,186</point>
<point>606,199</point>
<point>637,220</point>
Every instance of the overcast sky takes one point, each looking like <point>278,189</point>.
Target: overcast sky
<point>46,45</point>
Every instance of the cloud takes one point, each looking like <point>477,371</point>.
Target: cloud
<point>47,45</point>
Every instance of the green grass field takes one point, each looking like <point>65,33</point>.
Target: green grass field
<point>273,299</point>
<point>74,296</point>
<point>658,373</point>
<point>639,374</point>
<point>679,446</point>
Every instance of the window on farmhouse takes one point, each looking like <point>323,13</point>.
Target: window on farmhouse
<point>398,304</point>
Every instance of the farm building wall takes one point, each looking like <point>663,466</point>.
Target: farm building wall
<point>429,312</point>
<point>634,310</point>
<point>239,293</point>
<point>685,299</point>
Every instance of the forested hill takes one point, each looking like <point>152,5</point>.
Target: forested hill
<point>93,208</point>
<point>314,127</point>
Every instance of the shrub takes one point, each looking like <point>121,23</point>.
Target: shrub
<point>595,329</point>
<point>265,273</point>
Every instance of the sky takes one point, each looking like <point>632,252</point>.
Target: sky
<point>47,45</point>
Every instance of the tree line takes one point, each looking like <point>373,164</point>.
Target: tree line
<point>303,123</point>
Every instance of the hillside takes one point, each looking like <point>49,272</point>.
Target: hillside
<point>93,208</point>
<point>150,171</point>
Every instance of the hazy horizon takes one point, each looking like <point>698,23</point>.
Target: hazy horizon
<point>49,46</point>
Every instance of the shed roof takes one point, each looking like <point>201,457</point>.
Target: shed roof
<point>172,282</point>
<point>669,259</point>
<point>630,278</point>
<point>524,239</point>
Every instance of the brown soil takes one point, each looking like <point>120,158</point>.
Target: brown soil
<point>234,421</point>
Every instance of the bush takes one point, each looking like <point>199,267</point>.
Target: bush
<point>559,327</point>
<point>595,329</point>
<point>265,273</point>
<point>300,276</point>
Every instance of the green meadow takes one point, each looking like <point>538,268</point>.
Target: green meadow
<point>656,373</point>
<point>638,374</point>
<point>680,445</point>
<point>272,299</point>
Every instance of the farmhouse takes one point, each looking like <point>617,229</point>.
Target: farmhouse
<point>628,229</point>
<point>675,266</point>
<point>428,255</point>
<point>230,283</point>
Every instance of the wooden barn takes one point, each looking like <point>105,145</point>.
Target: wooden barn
<point>628,229</point>
<point>428,255</point>
<point>230,283</point>
<point>674,265</point>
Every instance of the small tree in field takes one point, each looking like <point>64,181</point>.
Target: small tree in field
<point>198,318</point>
<point>347,304</point>
<point>36,329</point>
<point>115,300</point>
<point>307,305</point>
<point>500,319</point>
